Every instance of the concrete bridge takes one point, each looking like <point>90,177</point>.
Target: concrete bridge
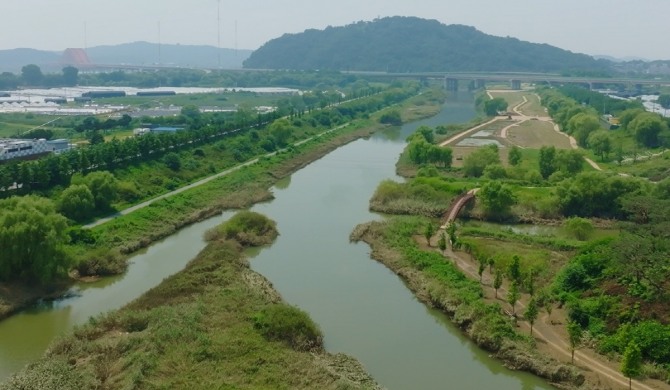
<point>451,80</point>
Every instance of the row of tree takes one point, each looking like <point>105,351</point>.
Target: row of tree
<point>32,76</point>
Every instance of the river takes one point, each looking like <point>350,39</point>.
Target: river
<point>364,309</point>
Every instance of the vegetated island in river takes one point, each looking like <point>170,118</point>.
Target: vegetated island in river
<point>238,190</point>
<point>216,324</point>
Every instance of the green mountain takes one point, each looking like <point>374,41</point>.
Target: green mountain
<point>409,44</point>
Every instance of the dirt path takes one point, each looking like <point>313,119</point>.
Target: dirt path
<point>547,334</point>
<point>468,132</point>
<point>199,182</point>
<point>523,118</point>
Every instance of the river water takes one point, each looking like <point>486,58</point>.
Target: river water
<point>364,309</point>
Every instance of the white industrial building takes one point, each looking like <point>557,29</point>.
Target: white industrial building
<point>26,148</point>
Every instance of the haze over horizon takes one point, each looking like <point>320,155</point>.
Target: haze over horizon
<point>622,28</point>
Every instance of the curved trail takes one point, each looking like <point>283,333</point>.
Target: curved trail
<point>543,331</point>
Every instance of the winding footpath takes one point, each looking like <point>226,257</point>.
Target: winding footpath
<point>543,331</point>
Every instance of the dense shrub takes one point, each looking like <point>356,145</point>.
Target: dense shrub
<point>289,324</point>
<point>246,227</point>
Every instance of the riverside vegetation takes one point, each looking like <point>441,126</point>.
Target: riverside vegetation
<point>89,363</point>
<point>611,283</point>
<point>103,249</point>
<point>216,324</point>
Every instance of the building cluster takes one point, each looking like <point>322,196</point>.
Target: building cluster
<point>30,148</point>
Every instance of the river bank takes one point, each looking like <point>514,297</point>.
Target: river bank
<point>240,189</point>
<point>440,285</point>
<point>146,226</point>
<point>205,327</point>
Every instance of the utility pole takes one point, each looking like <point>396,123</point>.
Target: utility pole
<point>218,32</point>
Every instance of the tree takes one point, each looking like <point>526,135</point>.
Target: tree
<point>647,128</point>
<point>477,161</point>
<point>531,313</point>
<point>493,106</point>
<point>569,161</point>
<point>70,76</point>
<point>601,143</point>
<point>192,114</point>
<point>495,172</point>
<point>575,338</point>
<point>32,75</point>
<point>514,155</point>
<point>664,100</point>
<point>513,296</point>
<point>497,280</point>
<point>428,232</point>
<point>582,125</point>
<point>580,228</point>
<point>32,238</point>
<point>514,269</point>
<point>497,199</point>
<point>103,186</point>
<point>442,242</point>
<point>172,161</point>
<point>451,231</point>
<point>77,202</point>
<point>482,268</point>
<point>281,130</point>
<point>631,364</point>
<point>547,161</point>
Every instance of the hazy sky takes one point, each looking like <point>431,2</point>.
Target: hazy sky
<point>619,28</point>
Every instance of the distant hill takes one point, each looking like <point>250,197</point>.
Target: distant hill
<point>13,60</point>
<point>137,53</point>
<point>409,44</point>
<point>145,53</point>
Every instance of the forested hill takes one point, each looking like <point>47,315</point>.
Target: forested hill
<point>409,44</point>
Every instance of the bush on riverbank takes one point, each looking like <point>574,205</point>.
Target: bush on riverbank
<point>246,227</point>
<point>428,196</point>
<point>289,324</point>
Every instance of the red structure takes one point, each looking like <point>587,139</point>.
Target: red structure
<point>77,58</point>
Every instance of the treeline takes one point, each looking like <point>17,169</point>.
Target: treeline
<point>32,76</point>
<point>34,231</point>
<point>56,170</point>
<point>582,121</point>
<point>220,78</point>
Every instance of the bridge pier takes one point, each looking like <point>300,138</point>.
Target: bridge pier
<point>480,83</point>
<point>516,84</point>
<point>451,84</point>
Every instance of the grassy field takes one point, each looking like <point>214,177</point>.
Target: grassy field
<point>13,125</point>
<point>534,134</point>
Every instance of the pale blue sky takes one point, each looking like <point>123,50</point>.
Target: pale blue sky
<point>614,27</point>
